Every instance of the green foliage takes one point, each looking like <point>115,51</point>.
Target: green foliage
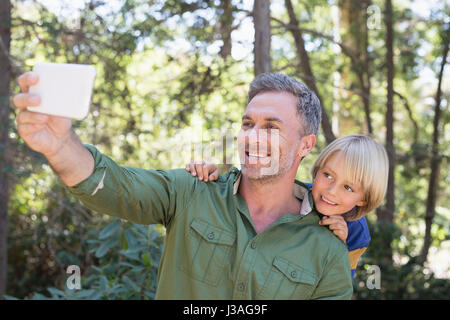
<point>128,262</point>
<point>398,281</point>
<point>46,234</point>
<point>126,265</point>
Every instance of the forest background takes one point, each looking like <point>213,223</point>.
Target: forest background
<point>175,72</point>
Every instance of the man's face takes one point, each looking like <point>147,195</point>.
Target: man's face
<point>269,138</point>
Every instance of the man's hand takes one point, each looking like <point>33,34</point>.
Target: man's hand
<point>336,224</point>
<point>42,133</point>
<point>204,170</point>
<point>52,136</point>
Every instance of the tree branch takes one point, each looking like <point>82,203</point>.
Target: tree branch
<point>346,50</point>
<point>410,114</point>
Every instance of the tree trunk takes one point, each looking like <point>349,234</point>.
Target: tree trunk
<point>366,71</point>
<point>226,25</point>
<point>435,161</point>
<point>386,215</point>
<point>5,38</point>
<point>305,66</point>
<point>337,84</point>
<point>355,37</point>
<point>261,21</point>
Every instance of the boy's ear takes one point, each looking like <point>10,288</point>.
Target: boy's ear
<point>361,203</point>
<point>306,145</point>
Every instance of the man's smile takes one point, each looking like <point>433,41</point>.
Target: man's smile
<point>258,154</point>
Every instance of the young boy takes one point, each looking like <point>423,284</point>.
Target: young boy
<point>349,180</point>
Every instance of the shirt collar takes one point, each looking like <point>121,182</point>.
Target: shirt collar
<point>301,192</point>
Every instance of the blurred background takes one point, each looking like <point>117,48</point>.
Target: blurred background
<point>165,68</point>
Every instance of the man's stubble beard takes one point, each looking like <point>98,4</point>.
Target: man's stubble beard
<point>284,166</point>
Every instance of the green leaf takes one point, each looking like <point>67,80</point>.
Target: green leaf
<point>103,249</point>
<point>126,264</point>
<point>97,295</point>
<point>133,255</point>
<point>83,294</point>
<point>154,234</point>
<point>38,296</point>
<point>123,242</point>
<point>56,293</point>
<point>131,239</point>
<point>127,281</point>
<point>109,230</point>
<point>146,260</point>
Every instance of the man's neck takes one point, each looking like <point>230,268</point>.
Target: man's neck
<point>267,201</point>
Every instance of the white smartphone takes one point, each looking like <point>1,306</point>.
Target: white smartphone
<point>65,89</point>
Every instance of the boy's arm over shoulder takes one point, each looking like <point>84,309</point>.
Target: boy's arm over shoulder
<point>138,195</point>
<point>357,241</point>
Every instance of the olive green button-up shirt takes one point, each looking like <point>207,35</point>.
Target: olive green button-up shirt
<point>211,249</point>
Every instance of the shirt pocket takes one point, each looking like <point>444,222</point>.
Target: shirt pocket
<point>287,280</point>
<point>208,250</point>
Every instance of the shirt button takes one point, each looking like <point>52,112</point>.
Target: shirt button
<point>241,286</point>
<point>293,274</point>
<point>253,245</point>
<point>211,235</point>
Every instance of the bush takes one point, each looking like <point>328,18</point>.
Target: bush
<point>407,281</point>
<point>126,263</point>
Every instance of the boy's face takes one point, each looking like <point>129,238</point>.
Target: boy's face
<point>332,192</point>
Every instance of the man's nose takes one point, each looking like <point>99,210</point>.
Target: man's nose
<point>258,135</point>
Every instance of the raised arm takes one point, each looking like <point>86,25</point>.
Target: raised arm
<point>52,136</point>
<point>138,195</point>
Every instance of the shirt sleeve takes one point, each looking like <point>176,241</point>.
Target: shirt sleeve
<point>336,281</point>
<point>358,240</point>
<point>138,195</point>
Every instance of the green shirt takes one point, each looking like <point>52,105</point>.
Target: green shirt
<point>211,248</point>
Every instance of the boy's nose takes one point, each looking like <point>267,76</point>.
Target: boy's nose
<point>332,189</point>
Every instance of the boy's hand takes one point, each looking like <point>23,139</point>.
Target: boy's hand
<point>204,170</point>
<point>336,224</point>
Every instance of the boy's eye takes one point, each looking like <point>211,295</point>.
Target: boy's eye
<point>327,175</point>
<point>246,124</point>
<point>348,188</point>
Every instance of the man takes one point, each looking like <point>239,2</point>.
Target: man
<point>252,234</point>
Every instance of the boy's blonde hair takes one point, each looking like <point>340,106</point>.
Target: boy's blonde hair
<point>366,162</point>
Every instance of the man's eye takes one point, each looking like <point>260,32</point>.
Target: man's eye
<point>348,188</point>
<point>246,124</point>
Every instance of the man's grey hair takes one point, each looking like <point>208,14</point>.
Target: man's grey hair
<point>308,106</point>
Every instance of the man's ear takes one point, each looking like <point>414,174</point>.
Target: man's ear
<point>306,145</point>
